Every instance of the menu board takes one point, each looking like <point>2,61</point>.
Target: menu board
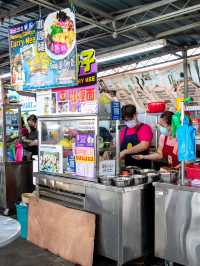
<point>43,52</point>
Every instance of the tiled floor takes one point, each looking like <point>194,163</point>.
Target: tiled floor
<point>23,253</point>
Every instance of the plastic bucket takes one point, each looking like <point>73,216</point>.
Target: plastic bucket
<point>22,217</point>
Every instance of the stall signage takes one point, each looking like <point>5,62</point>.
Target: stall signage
<point>77,100</point>
<point>28,104</point>
<point>115,110</point>
<point>87,68</point>
<point>85,140</point>
<point>43,53</point>
<point>107,168</point>
<point>85,159</point>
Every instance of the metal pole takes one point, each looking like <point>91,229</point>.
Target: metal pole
<point>185,69</point>
<point>117,130</point>
<point>182,163</point>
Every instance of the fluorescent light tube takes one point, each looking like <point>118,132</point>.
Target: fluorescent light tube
<point>132,50</point>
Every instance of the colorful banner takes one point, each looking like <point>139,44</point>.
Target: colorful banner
<point>76,100</point>
<point>140,87</point>
<point>43,53</point>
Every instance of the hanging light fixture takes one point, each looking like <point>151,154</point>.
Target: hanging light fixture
<point>138,49</point>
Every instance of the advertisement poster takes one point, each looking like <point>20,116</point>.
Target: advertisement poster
<point>85,155</point>
<point>77,100</point>
<point>28,104</point>
<point>51,159</point>
<point>43,53</point>
<point>140,87</point>
<point>44,102</point>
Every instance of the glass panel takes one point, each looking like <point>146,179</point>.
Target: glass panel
<point>1,123</point>
<point>107,148</point>
<point>68,147</point>
<point>12,124</point>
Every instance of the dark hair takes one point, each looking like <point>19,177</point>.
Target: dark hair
<point>32,118</point>
<point>167,116</point>
<point>128,111</point>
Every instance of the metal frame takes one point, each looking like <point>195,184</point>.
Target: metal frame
<point>129,23</point>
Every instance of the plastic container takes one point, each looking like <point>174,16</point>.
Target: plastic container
<point>156,107</point>
<point>22,217</point>
<point>193,171</point>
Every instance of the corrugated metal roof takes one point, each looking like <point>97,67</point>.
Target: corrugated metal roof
<point>134,22</point>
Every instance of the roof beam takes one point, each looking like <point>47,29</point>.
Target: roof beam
<point>53,7</point>
<point>133,12</point>
<point>93,9</point>
<point>14,12</point>
<point>178,30</point>
<point>159,19</point>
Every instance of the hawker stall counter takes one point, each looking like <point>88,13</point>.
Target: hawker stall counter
<point>177,218</point>
<point>124,215</point>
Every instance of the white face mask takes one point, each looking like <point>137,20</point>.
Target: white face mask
<point>131,123</point>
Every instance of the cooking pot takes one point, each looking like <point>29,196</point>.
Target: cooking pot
<point>106,180</point>
<point>139,179</point>
<point>156,107</point>
<point>122,181</point>
<point>169,177</point>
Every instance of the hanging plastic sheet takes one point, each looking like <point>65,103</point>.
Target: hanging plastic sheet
<point>186,141</point>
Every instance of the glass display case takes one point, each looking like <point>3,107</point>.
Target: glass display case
<point>10,120</point>
<point>68,146</point>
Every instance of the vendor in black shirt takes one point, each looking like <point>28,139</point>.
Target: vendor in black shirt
<point>31,141</point>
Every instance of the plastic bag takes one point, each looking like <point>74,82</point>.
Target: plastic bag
<point>18,152</point>
<point>186,134</point>
<point>176,123</point>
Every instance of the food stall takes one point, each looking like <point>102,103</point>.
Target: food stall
<point>79,167</point>
<point>70,171</point>
<point>177,214</point>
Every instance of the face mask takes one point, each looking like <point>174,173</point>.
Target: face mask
<point>131,123</point>
<point>164,131</point>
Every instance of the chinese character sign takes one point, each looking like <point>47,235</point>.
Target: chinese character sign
<point>87,68</point>
<point>43,53</point>
<point>76,100</point>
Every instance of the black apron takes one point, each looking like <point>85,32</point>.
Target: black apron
<point>132,139</point>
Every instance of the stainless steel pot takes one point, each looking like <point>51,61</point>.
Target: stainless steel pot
<point>106,180</point>
<point>139,179</point>
<point>122,181</point>
<point>169,177</point>
<point>133,169</point>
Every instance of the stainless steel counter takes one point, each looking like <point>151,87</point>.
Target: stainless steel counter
<point>124,215</point>
<point>177,223</point>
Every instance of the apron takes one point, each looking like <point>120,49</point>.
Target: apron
<point>130,141</point>
<point>168,154</point>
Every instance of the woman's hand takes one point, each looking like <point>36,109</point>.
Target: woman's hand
<point>138,157</point>
<point>123,154</point>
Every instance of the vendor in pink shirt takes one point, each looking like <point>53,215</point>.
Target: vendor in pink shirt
<point>135,138</point>
<point>168,147</point>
